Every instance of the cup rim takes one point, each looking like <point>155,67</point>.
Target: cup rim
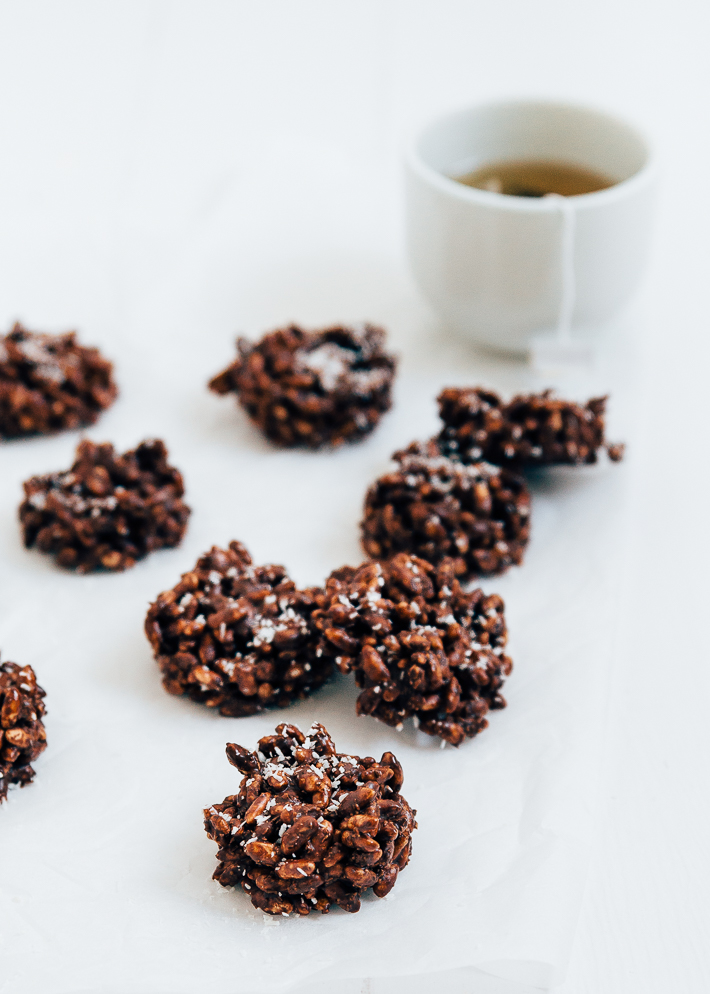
<point>534,205</point>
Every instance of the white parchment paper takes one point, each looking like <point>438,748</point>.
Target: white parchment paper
<point>105,871</point>
<point>203,216</point>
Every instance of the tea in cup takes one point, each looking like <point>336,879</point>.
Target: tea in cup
<point>518,210</point>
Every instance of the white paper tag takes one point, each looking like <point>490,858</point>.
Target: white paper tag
<point>548,351</point>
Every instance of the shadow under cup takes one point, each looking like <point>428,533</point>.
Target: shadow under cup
<point>492,265</point>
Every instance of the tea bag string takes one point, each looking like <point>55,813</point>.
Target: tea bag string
<point>557,347</point>
<point>568,292</point>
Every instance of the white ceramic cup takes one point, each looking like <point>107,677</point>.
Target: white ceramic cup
<point>493,265</point>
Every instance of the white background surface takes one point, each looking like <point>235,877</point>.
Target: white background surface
<point>124,126</point>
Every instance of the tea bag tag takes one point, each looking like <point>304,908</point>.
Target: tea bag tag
<point>557,347</point>
<point>548,352</point>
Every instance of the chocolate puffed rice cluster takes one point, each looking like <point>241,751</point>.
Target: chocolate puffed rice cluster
<point>419,646</point>
<point>22,734</point>
<point>50,383</point>
<point>237,637</point>
<point>108,510</point>
<point>530,430</point>
<point>312,388</point>
<point>311,827</point>
<point>434,507</point>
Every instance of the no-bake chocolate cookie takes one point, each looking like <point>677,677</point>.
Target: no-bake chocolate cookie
<point>108,510</point>
<point>434,507</point>
<point>22,734</point>
<point>530,430</point>
<point>237,637</point>
<point>50,383</point>
<point>419,646</point>
<point>312,388</point>
<point>311,827</point>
